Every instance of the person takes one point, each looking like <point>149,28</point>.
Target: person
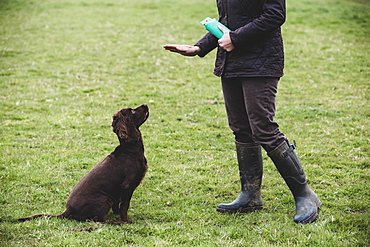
<point>250,61</point>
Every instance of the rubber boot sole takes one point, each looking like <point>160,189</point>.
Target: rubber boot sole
<point>239,210</point>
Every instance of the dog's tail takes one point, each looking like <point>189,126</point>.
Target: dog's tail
<point>40,215</point>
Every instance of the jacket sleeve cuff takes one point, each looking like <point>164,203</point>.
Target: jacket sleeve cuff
<point>234,39</point>
<point>206,44</point>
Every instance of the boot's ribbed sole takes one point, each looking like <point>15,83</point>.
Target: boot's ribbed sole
<point>239,210</point>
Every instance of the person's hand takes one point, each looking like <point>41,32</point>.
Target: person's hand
<point>225,42</point>
<point>185,50</point>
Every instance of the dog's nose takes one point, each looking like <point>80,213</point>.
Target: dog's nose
<point>145,106</point>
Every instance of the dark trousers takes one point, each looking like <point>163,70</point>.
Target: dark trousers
<point>250,107</point>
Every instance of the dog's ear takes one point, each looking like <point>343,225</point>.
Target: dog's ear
<point>124,127</point>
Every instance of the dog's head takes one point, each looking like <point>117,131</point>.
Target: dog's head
<point>126,123</point>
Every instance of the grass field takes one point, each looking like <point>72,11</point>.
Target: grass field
<point>67,65</point>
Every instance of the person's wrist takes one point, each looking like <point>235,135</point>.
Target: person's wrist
<point>198,50</point>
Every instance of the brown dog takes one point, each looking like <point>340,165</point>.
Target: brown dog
<point>111,183</point>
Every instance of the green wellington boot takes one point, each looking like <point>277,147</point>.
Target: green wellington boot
<point>250,170</point>
<point>287,163</point>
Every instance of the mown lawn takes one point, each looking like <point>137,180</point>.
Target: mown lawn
<point>67,65</point>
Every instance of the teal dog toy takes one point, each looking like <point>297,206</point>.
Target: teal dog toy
<point>212,26</point>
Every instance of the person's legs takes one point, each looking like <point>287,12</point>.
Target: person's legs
<point>247,149</point>
<point>259,98</point>
<point>232,89</point>
<point>250,106</point>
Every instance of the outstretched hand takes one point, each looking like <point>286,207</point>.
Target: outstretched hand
<point>225,41</point>
<point>185,50</point>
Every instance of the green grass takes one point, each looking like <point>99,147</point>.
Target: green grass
<point>66,66</point>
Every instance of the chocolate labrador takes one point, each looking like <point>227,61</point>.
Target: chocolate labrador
<point>111,183</point>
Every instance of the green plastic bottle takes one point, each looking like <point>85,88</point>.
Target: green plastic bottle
<point>212,26</point>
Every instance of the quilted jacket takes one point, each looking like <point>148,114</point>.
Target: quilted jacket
<point>256,36</point>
